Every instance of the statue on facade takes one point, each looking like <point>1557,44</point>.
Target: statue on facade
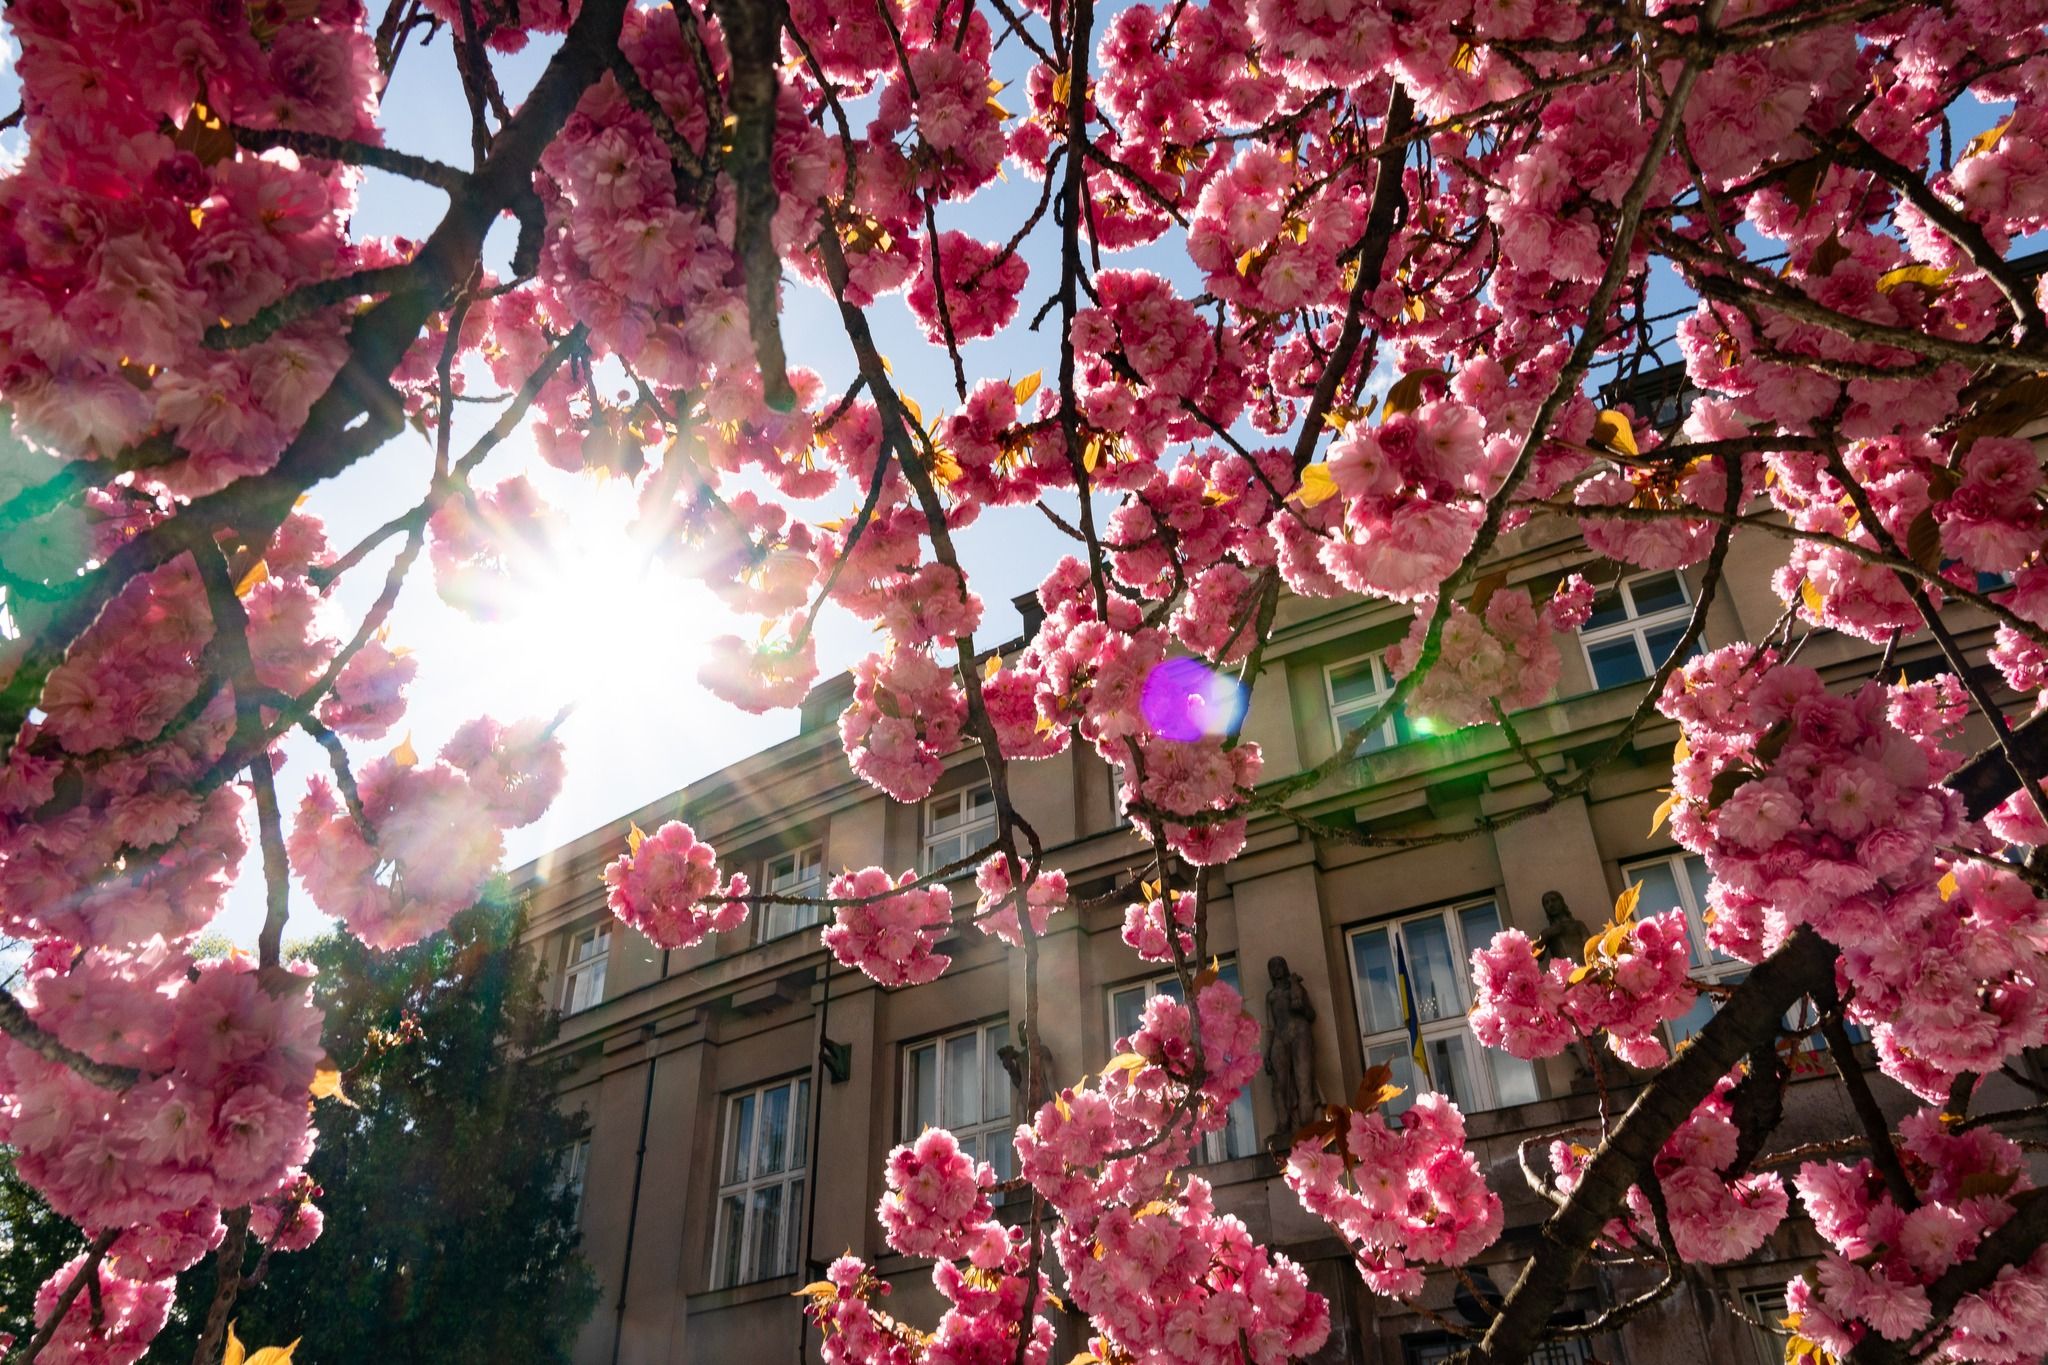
<point>1290,1051</point>
<point>1564,938</point>
<point>1012,1057</point>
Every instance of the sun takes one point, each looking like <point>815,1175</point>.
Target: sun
<point>595,618</point>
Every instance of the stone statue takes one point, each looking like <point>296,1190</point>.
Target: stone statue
<point>1564,934</point>
<point>1012,1058</point>
<point>1564,939</point>
<point>1290,1052</point>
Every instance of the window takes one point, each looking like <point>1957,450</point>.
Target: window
<point>1433,947</point>
<point>957,824</point>
<point>1355,688</point>
<point>1428,1348</point>
<point>583,982</point>
<point>958,1083</point>
<point>1764,1307</point>
<point>761,1183</point>
<point>1678,881</point>
<point>1634,627</point>
<point>574,1170</point>
<point>1127,1004</point>
<point>799,872</point>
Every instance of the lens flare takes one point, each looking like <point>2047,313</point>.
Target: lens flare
<point>1186,700</point>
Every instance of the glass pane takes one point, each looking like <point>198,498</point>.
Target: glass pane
<point>944,852</point>
<point>767,1258</point>
<point>1657,592</point>
<point>1514,1080</point>
<point>1125,1008</point>
<point>962,1077</point>
<point>1000,1152</point>
<point>1433,973</point>
<point>1693,1020</point>
<point>789,1240</point>
<point>1450,1070</point>
<point>1170,988</point>
<point>778,920</point>
<point>1664,639</point>
<point>945,813</point>
<point>739,1141</point>
<point>924,1089</point>
<point>981,804</point>
<point>1373,962</point>
<point>1241,1137</point>
<point>800,1128</point>
<point>995,1082</point>
<point>1478,923</point>
<point>1660,892</point>
<point>774,1148</point>
<point>1396,1057</point>
<point>1227,974</point>
<point>1696,873</point>
<point>1607,610</point>
<point>732,1227</point>
<point>1375,739</point>
<point>1354,682</point>
<point>1616,662</point>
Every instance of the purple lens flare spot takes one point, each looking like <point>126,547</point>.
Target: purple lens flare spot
<point>1186,700</point>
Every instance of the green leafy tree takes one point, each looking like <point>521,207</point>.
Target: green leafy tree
<point>448,1235</point>
<point>34,1240</point>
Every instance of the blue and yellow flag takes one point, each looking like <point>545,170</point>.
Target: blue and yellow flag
<point>1409,1020</point>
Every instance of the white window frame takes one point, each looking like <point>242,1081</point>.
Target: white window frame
<point>574,1175</point>
<point>583,974</point>
<point>797,871</point>
<point>1451,1022</point>
<point>974,1138</point>
<point>1637,626</point>
<point>1242,1125</point>
<point>1392,731</point>
<point>789,1178</point>
<point>958,801</point>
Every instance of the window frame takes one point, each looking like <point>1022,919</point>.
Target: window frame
<point>1455,1022</point>
<point>972,1137</point>
<point>791,1179</point>
<point>575,969</point>
<point>1216,1145</point>
<point>959,796</point>
<point>768,924</point>
<point>574,1176</point>
<point>1764,1303</point>
<point>1393,731</point>
<point>1637,626</point>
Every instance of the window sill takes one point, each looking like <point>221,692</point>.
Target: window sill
<point>711,1300</point>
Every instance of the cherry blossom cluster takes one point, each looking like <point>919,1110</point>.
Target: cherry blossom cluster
<point>667,886</point>
<point>1502,652</point>
<point>1398,1195</point>
<point>938,1204</point>
<point>891,931</point>
<point>1716,1216</point>
<point>417,842</point>
<point>1883,1256</point>
<point>1634,979</point>
<point>1159,1271</point>
<point>997,911</point>
<point>1826,811</point>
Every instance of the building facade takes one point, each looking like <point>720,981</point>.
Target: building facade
<point>741,1096</point>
